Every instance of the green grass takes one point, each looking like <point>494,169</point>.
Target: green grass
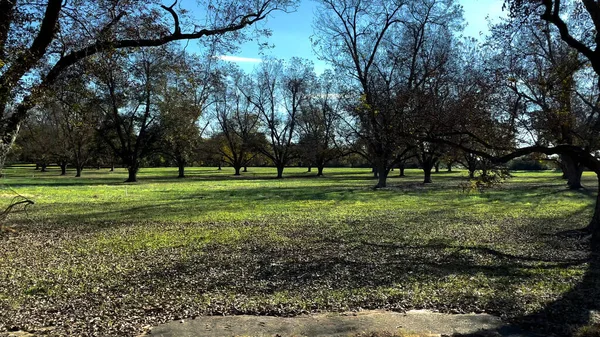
<point>164,248</point>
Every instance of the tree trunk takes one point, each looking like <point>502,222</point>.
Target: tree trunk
<point>563,168</point>
<point>320,171</point>
<point>219,166</point>
<point>6,143</point>
<point>181,169</point>
<point>449,167</point>
<point>402,167</point>
<point>594,225</point>
<point>573,170</point>
<point>245,169</point>
<point>237,170</point>
<point>471,173</point>
<point>112,167</point>
<point>132,170</point>
<point>427,174</point>
<point>382,179</point>
<point>78,169</point>
<point>43,167</point>
<point>437,167</point>
<point>309,168</point>
<point>280,171</point>
<point>375,172</point>
<point>63,169</point>
<point>37,167</point>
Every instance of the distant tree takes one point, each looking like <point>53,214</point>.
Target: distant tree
<point>280,91</point>
<point>238,121</point>
<point>40,40</point>
<point>37,141</point>
<point>73,107</point>
<point>383,48</point>
<point>127,86</point>
<point>182,101</point>
<point>319,122</point>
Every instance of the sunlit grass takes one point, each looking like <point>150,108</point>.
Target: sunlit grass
<point>215,243</point>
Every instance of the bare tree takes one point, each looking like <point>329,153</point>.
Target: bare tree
<point>318,123</point>
<point>380,45</point>
<point>128,85</point>
<point>74,107</point>
<point>281,89</point>
<point>238,120</point>
<point>33,56</point>
<point>182,100</point>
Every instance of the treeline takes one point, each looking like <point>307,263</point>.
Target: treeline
<point>108,80</point>
<point>405,88</point>
<point>162,106</point>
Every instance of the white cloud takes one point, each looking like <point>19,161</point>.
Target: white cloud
<point>238,59</point>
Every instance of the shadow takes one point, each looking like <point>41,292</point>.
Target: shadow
<point>273,267</point>
<point>298,269</point>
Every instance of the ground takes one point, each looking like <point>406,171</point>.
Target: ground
<point>367,323</point>
<point>95,256</point>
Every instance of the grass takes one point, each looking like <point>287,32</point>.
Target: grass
<point>98,256</point>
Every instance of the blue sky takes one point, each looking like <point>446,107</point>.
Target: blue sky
<point>292,31</point>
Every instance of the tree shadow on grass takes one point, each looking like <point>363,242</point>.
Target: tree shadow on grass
<point>298,269</point>
<point>164,205</point>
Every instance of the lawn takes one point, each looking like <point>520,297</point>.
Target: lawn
<point>96,256</point>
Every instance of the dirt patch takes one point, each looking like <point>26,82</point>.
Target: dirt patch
<point>412,323</point>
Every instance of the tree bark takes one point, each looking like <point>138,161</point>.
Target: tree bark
<point>245,169</point>
<point>78,169</point>
<point>43,167</point>
<point>471,173</point>
<point>280,171</point>
<point>181,169</point>
<point>37,167</point>
<point>132,171</point>
<point>382,177</point>
<point>382,173</point>
<point>563,169</point>
<point>449,167</point>
<point>320,171</point>
<point>63,169</point>
<point>402,167</point>
<point>237,170</point>
<point>375,172</point>
<point>427,175</point>
<point>427,166</point>
<point>309,168</point>
<point>573,171</point>
<point>437,167</point>
<point>594,225</point>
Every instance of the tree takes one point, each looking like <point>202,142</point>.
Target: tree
<point>551,80</point>
<point>33,56</point>
<point>379,45</point>
<point>579,35</point>
<point>38,140</point>
<point>238,121</point>
<point>318,123</point>
<point>182,101</point>
<point>280,91</point>
<point>128,87</point>
<point>74,108</point>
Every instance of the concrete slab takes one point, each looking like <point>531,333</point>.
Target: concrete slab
<point>425,323</point>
